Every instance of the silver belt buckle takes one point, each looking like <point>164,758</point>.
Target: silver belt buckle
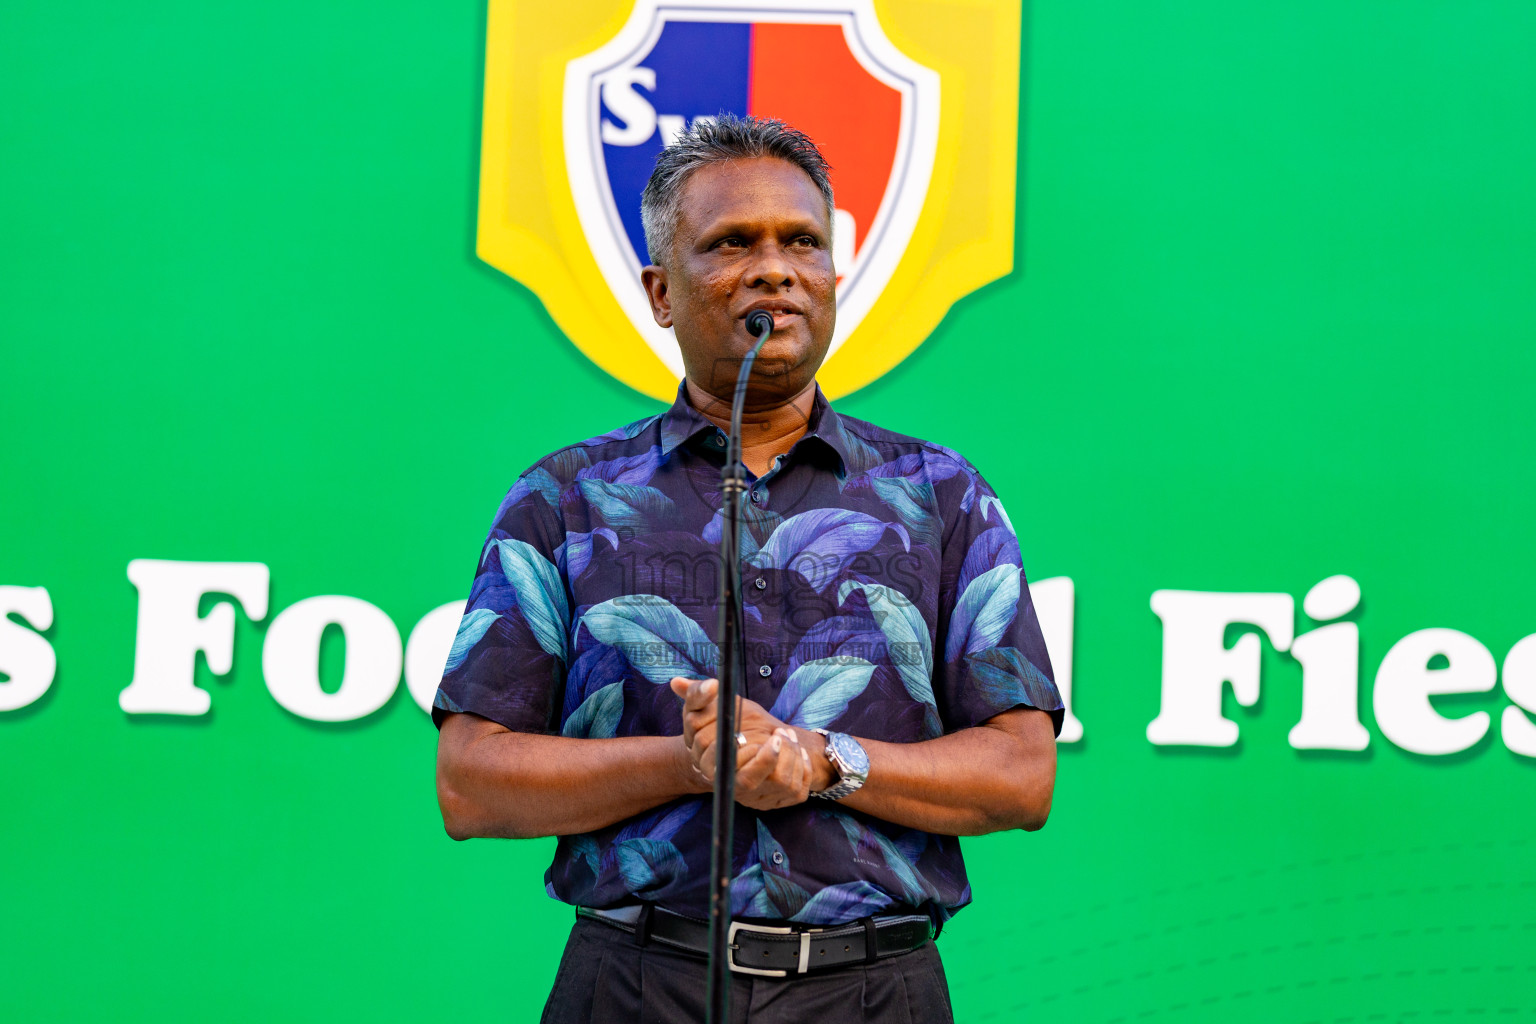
<point>742,926</point>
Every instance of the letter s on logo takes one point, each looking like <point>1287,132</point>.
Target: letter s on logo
<point>628,106</point>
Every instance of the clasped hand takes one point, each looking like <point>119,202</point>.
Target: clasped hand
<point>773,766</point>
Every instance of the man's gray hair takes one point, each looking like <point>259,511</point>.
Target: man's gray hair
<point>711,140</point>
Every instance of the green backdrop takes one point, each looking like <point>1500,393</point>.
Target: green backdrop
<point>1272,319</point>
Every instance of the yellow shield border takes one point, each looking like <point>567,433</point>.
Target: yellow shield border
<point>963,239</point>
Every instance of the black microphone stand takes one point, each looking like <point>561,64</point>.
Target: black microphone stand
<point>731,669</point>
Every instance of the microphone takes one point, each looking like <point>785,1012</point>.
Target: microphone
<point>732,628</point>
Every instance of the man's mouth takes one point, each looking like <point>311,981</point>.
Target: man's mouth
<point>783,315</point>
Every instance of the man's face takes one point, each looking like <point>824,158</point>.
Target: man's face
<point>751,234</point>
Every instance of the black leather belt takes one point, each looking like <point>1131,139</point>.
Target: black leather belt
<point>775,951</point>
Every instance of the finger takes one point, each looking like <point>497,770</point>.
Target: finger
<point>699,736</point>
<point>789,762</point>
<point>700,694</point>
<point>695,724</point>
<point>703,758</point>
<point>775,790</point>
<point>755,716</point>
<point>703,769</point>
<point>697,720</point>
<point>800,772</point>
<point>802,784</point>
<point>754,737</point>
<point>751,775</point>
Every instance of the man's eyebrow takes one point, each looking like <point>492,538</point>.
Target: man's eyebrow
<point>732,226</point>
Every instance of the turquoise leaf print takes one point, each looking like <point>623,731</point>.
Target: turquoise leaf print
<point>654,635</point>
<point>921,471</point>
<point>862,838</point>
<point>920,465</point>
<point>540,593</point>
<point>749,897</point>
<point>472,627</point>
<point>862,456</point>
<point>992,548</point>
<point>627,469</point>
<point>535,481</point>
<point>983,613</point>
<point>912,844</point>
<point>998,674</point>
<point>991,503</point>
<point>647,864</point>
<point>592,670</point>
<point>819,691</point>
<point>783,896</point>
<point>755,523</point>
<point>585,847</point>
<point>846,901</point>
<point>831,635</point>
<point>598,716</point>
<point>662,824</point>
<point>578,547</point>
<point>968,499</point>
<point>913,501</point>
<point>769,845</point>
<point>906,640</point>
<point>628,430</point>
<point>820,543</point>
<point>567,462</point>
<point>764,888</point>
<point>642,850</point>
<point>626,505</point>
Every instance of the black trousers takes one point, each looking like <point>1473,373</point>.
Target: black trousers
<point>606,978</point>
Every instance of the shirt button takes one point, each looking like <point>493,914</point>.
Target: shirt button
<point>760,583</point>
<point>757,497</point>
<point>717,441</point>
<point>765,670</point>
<point>778,856</point>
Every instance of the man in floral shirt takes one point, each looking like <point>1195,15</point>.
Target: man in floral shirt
<point>898,692</point>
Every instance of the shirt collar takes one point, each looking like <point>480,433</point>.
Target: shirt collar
<point>682,422</point>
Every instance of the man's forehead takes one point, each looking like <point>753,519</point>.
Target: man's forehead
<point>757,188</point>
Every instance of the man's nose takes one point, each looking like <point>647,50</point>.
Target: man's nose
<point>770,267</point>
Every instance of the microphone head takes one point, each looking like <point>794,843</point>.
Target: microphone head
<point>759,323</point>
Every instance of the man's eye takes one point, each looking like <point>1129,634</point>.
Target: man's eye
<point>809,240</point>
<point>731,242</point>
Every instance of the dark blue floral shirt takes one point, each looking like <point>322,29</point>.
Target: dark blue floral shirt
<point>884,598</point>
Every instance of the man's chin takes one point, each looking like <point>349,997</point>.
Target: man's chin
<point>784,367</point>
<point>775,385</point>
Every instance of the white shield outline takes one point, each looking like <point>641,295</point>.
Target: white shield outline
<point>900,206</point>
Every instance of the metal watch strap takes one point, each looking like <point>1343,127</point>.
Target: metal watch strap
<point>844,786</point>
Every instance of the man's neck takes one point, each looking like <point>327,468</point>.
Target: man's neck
<point>767,431</point>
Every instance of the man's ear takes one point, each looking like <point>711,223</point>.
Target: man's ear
<point>654,280</point>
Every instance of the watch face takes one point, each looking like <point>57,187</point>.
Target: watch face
<point>854,761</point>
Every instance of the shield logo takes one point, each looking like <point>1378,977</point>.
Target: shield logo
<point>872,111</point>
<point>580,100</point>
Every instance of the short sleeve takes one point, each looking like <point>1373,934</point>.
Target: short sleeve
<point>991,654</point>
<point>508,658</point>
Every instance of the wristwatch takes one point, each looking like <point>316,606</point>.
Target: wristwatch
<point>850,762</point>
